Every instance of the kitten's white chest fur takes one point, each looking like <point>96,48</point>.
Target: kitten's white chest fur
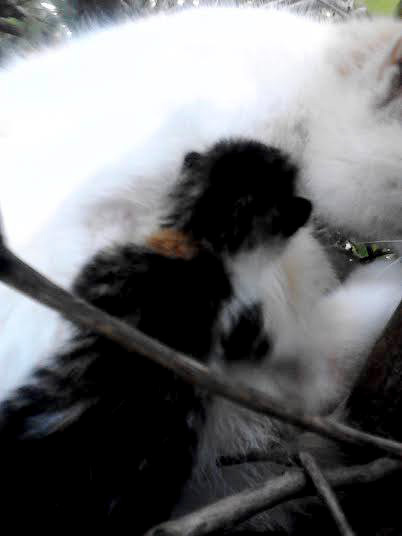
<point>93,133</point>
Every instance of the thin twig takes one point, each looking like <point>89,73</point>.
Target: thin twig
<point>237,508</point>
<point>17,274</point>
<point>325,493</point>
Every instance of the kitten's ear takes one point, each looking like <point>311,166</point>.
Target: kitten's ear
<point>191,160</point>
<point>393,66</point>
<point>294,214</point>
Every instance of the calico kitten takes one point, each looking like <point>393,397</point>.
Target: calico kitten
<point>332,102</point>
<point>105,439</point>
<point>102,145</point>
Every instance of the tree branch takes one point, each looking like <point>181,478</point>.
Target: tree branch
<point>22,277</point>
<point>293,484</point>
<point>325,493</point>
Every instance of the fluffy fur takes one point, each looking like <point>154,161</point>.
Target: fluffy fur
<point>125,430</point>
<point>103,132</point>
<point>104,439</point>
<point>134,129</point>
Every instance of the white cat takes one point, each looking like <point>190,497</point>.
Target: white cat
<point>93,131</point>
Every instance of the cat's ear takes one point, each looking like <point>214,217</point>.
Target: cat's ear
<point>392,70</point>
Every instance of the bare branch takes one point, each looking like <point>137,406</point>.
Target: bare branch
<point>325,493</point>
<point>292,484</point>
<point>22,277</point>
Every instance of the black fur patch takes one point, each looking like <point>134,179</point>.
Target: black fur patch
<point>104,439</point>
<point>247,340</point>
<point>238,194</point>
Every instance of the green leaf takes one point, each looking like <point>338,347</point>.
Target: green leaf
<point>388,7</point>
<point>360,250</point>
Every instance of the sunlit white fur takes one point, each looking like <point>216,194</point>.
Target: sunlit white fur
<point>93,132</point>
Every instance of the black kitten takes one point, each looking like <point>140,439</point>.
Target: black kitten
<point>102,439</point>
<point>237,195</point>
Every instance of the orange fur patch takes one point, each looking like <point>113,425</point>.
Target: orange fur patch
<point>172,243</point>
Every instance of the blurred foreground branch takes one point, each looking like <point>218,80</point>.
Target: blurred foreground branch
<point>17,274</point>
<point>292,484</point>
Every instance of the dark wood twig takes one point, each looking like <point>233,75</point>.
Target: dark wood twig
<point>325,493</point>
<point>15,273</point>
<point>293,484</point>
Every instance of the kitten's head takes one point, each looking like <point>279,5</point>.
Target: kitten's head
<point>238,195</point>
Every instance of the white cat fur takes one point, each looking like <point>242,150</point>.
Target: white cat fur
<point>93,132</point>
